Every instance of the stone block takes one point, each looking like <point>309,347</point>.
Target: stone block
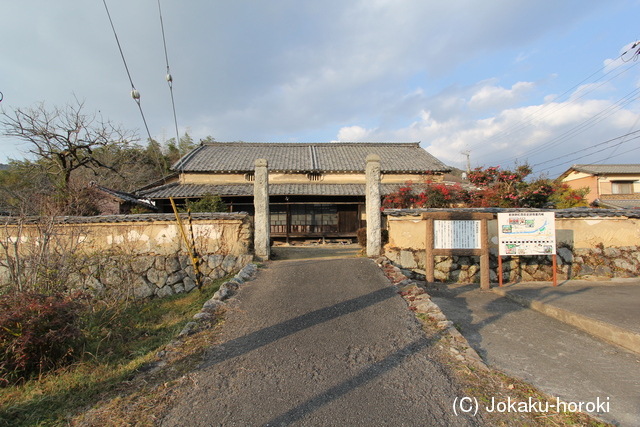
<point>407,259</point>
<point>440,276</point>
<point>222,294</point>
<point>229,263</point>
<point>164,292</point>
<point>94,284</point>
<point>202,316</point>
<point>141,264</point>
<point>612,252</point>
<point>603,270</point>
<point>157,277</point>
<point>243,260</point>
<point>214,261</point>
<point>191,272</point>
<point>190,284</point>
<point>212,306</point>
<point>565,256</point>
<point>172,264</point>
<point>176,277</point>
<point>624,265</point>
<point>185,261</point>
<point>142,288</point>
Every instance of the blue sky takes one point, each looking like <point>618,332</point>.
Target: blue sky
<point>508,81</point>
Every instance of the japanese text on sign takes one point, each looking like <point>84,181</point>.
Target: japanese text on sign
<point>456,234</point>
<point>527,233</point>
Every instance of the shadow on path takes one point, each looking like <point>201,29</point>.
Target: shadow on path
<point>372,372</point>
<point>245,344</point>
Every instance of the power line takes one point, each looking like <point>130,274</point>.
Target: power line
<point>582,126</point>
<point>530,119</point>
<point>169,78</point>
<point>593,146</point>
<point>134,92</point>
<point>591,154</point>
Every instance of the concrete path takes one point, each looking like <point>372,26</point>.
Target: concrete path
<point>324,342</point>
<point>556,357</point>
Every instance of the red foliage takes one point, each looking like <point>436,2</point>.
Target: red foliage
<point>37,333</point>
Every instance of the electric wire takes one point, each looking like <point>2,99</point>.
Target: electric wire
<point>582,126</point>
<point>593,146</point>
<point>588,155</point>
<point>169,78</point>
<point>533,117</point>
<point>134,92</point>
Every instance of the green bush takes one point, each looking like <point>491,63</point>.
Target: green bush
<point>38,333</point>
<point>208,203</point>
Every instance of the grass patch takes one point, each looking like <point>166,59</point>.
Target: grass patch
<point>120,340</point>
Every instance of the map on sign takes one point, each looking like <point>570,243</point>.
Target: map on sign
<point>526,233</point>
<point>456,234</point>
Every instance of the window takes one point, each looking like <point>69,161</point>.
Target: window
<point>622,187</point>
<point>315,176</point>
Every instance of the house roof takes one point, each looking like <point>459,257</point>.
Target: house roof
<point>620,203</point>
<point>308,157</point>
<point>605,169</point>
<point>178,190</point>
<point>124,196</point>
<point>559,213</point>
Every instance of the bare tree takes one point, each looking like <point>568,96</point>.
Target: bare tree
<point>64,139</point>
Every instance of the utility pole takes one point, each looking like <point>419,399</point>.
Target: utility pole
<point>466,153</point>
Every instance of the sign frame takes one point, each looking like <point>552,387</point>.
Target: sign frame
<point>526,233</point>
<point>483,251</point>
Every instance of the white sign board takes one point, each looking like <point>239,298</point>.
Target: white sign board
<point>527,233</point>
<point>456,234</point>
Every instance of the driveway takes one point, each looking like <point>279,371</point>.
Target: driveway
<point>320,342</point>
<point>557,358</point>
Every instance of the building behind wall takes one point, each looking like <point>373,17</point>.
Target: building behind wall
<point>610,185</point>
<point>316,189</point>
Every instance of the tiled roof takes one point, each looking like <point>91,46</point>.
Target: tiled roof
<point>560,213</point>
<point>124,196</point>
<point>608,169</point>
<point>307,157</point>
<point>178,190</point>
<point>620,204</point>
<point>124,218</point>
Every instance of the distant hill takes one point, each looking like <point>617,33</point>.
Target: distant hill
<point>4,167</point>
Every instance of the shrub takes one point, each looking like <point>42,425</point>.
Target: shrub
<point>362,236</point>
<point>38,333</point>
<point>208,203</point>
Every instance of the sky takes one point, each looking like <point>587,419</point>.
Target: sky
<point>495,83</point>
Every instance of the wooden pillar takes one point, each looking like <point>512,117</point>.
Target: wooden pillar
<point>484,257</point>
<point>429,262</point>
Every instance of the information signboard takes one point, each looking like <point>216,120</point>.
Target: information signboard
<point>526,233</point>
<point>456,234</point>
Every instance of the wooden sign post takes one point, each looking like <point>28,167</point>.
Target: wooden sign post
<point>457,233</point>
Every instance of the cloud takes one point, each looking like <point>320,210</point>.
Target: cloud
<point>353,134</point>
<point>492,97</point>
<point>532,134</point>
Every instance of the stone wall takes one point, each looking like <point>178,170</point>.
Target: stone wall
<point>123,256</point>
<point>590,243</point>
<point>586,262</point>
<point>143,276</point>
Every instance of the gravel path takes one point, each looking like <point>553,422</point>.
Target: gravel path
<point>324,342</point>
